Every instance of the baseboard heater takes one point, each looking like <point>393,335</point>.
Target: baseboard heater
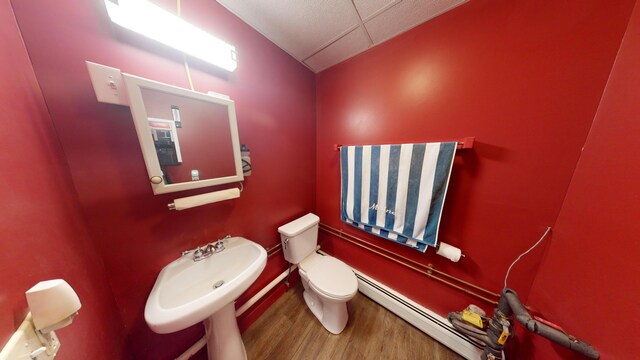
<point>422,318</point>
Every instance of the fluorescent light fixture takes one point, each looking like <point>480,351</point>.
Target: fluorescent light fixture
<point>156,23</point>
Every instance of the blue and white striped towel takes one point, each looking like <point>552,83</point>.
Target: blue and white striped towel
<point>396,191</point>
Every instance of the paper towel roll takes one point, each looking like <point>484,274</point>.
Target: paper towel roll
<point>450,252</point>
<point>198,200</point>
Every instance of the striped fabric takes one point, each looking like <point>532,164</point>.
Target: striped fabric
<point>396,191</point>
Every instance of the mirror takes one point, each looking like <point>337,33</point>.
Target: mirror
<point>189,139</point>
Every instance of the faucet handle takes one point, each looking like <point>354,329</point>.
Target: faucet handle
<point>218,246</point>
<point>198,251</point>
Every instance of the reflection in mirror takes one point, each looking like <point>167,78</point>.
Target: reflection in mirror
<point>172,119</point>
<point>189,139</point>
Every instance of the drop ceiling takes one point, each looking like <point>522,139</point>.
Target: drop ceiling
<point>322,33</point>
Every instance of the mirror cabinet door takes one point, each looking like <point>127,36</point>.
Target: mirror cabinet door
<point>189,139</point>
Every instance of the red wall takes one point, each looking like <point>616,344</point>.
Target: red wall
<point>43,234</point>
<point>585,282</point>
<point>523,77</point>
<point>135,233</point>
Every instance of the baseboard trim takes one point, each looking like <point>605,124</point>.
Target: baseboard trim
<point>422,318</point>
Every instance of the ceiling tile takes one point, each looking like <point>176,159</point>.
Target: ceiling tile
<point>406,15</point>
<point>300,28</point>
<point>322,33</point>
<point>351,44</point>
<point>370,8</point>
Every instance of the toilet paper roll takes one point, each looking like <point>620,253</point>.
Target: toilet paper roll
<point>450,252</point>
<point>198,200</point>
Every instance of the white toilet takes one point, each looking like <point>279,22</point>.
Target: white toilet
<point>328,282</point>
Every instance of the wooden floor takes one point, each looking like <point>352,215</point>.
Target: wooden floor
<point>288,330</point>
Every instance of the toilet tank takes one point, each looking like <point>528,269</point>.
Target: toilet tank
<point>299,237</point>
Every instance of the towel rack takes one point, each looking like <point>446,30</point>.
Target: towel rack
<point>465,143</point>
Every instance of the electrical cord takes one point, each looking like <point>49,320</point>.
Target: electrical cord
<point>184,56</point>
<point>523,254</point>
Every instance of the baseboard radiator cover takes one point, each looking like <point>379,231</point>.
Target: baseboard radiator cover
<point>422,318</point>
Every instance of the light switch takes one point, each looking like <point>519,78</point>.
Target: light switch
<point>107,84</point>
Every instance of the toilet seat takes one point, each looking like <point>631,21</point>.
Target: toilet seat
<point>329,276</point>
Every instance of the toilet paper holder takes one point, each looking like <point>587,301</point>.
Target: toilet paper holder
<point>450,252</point>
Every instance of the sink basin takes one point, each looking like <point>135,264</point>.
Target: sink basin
<point>188,292</point>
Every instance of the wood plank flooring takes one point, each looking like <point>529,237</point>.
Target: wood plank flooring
<point>288,330</point>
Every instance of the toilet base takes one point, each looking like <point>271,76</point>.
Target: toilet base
<point>332,315</point>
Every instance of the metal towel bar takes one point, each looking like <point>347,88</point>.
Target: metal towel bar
<point>427,270</point>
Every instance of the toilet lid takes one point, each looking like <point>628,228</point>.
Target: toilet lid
<point>330,276</point>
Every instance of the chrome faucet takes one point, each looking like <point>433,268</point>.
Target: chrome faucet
<point>218,246</point>
<point>199,253</point>
<point>203,252</point>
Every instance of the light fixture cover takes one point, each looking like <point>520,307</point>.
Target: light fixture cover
<point>53,303</point>
<point>156,23</point>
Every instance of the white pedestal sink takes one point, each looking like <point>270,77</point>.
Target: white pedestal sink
<point>188,292</point>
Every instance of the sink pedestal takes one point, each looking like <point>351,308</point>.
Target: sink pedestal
<point>223,336</point>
